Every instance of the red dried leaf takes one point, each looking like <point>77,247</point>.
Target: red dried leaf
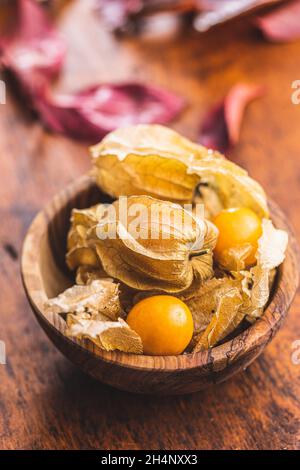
<point>34,51</point>
<point>221,126</point>
<point>122,15</point>
<point>214,12</point>
<point>90,114</point>
<point>283,24</point>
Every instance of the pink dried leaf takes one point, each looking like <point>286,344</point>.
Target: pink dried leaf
<point>282,24</point>
<point>90,114</point>
<point>221,126</point>
<point>214,12</point>
<point>33,51</point>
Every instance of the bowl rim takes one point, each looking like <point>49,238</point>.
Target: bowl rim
<point>260,333</point>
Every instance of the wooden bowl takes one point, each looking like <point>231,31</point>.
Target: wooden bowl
<point>45,275</point>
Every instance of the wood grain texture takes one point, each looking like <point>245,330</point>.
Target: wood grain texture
<point>45,276</point>
<point>45,402</point>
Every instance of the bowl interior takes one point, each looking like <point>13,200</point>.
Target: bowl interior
<point>45,275</point>
<point>54,271</point>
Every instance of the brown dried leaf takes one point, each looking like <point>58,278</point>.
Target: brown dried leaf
<point>107,335</point>
<point>98,297</point>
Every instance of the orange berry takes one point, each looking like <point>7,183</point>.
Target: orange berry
<point>164,323</point>
<point>236,228</point>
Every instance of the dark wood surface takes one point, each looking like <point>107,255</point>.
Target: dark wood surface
<point>45,402</point>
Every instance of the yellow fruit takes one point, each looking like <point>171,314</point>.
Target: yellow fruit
<point>164,323</point>
<point>237,227</point>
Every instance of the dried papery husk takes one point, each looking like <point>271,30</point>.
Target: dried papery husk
<point>234,258</point>
<point>130,296</point>
<point>82,255</point>
<point>126,296</point>
<point>210,199</point>
<point>232,184</point>
<point>203,265</point>
<point>146,159</point>
<point>202,269</point>
<point>155,160</point>
<point>203,301</point>
<point>81,221</point>
<point>86,274</point>
<point>226,318</point>
<point>154,175</point>
<point>158,258</point>
<point>271,246</point>
<point>257,282</point>
<point>100,297</point>
<point>107,335</point>
<point>79,253</point>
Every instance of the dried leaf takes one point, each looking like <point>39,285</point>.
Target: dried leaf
<point>220,128</point>
<point>100,297</point>
<point>90,114</point>
<point>107,335</point>
<point>226,318</point>
<point>152,251</point>
<point>282,24</point>
<point>33,51</point>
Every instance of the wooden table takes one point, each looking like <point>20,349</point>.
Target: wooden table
<point>45,402</point>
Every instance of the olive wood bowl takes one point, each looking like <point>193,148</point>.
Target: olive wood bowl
<point>45,275</point>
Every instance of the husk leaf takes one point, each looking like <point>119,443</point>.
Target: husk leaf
<point>157,161</point>
<point>107,335</point>
<point>98,297</point>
